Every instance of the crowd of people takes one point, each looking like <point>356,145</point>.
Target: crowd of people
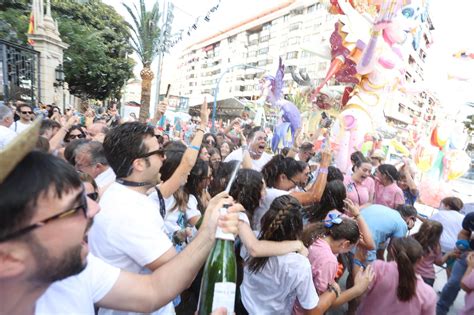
<point>101,215</point>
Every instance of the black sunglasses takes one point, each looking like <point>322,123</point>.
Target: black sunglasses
<point>94,196</point>
<point>63,214</point>
<point>27,113</point>
<point>159,152</point>
<point>80,136</point>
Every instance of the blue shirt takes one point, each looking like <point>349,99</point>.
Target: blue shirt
<point>409,197</point>
<point>384,223</point>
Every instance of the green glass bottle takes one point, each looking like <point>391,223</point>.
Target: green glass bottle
<point>219,279</point>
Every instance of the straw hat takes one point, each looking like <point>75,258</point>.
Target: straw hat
<point>18,148</point>
<point>378,154</point>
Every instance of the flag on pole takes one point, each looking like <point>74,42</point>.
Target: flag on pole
<point>31,28</point>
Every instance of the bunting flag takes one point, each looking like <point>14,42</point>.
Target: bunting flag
<point>31,28</point>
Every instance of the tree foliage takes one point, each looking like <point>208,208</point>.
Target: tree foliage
<point>145,31</point>
<point>96,64</point>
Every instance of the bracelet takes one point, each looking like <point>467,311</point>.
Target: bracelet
<point>359,263</point>
<point>194,147</point>
<point>199,129</point>
<point>323,170</point>
<point>333,289</point>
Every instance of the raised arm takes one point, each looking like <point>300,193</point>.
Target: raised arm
<point>180,175</point>
<point>160,110</point>
<point>56,141</point>
<point>147,293</point>
<point>246,159</point>
<point>296,144</point>
<point>410,182</point>
<point>315,193</point>
<point>366,238</point>
<point>259,248</point>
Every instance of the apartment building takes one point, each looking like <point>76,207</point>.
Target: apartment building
<point>235,59</point>
<point>241,54</point>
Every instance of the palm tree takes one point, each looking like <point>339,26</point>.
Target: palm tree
<point>145,39</point>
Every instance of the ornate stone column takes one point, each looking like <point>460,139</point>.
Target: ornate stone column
<point>47,41</point>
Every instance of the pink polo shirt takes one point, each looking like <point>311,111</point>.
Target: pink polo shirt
<point>323,266</point>
<point>425,266</point>
<point>381,296</point>
<point>469,299</point>
<point>359,193</point>
<point>390,196</point>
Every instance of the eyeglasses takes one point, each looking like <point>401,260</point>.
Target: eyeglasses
<point>27,113</point>
<point>159,152</point>
<point>79,136</point>
<point>94,196</point>
<point>64,214</point>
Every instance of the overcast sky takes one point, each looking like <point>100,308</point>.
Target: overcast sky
<point>452,20</point>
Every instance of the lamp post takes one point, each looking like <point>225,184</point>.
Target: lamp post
<point>216,90</point>
<point>59,80</point>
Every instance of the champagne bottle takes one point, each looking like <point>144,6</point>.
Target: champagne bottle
<point>219,279</point>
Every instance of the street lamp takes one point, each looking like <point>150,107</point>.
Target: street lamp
<point>59,76</point>
<point>216,89</point>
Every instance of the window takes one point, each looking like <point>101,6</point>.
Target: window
<point>292,55</point>
<point>294,40</point>
<point>311,8</point>
<point>294,27</point>
<point>262,63</point>
<point>265,38</point>
<point>322,66</point>
<point>267,26</point>
<point>252,54</point>
<point>286,17</point>
<point>231,39</point>
<point>263,51</point>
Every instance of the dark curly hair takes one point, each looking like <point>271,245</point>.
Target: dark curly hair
<point>332,198</point>
<point>123,144</point>
<point>280,165</point>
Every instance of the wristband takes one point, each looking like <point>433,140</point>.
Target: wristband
<point>245,147</point>
<point>323,170</point>
<point>333,289</point>
<point>359,263</point>
<point>199,129</point>
<point>194,147</point>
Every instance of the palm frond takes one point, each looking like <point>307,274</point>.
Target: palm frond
<point>145,31</point>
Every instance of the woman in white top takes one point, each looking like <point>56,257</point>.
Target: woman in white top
<point>271,285</point>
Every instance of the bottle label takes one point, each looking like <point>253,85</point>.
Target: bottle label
<point>224,296</point>
<point>221,234</point>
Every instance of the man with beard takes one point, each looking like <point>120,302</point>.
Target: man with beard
<point>42,240</point>
<point>257,140</point>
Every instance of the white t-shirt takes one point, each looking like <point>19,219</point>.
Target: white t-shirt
<point>128,233</point>
<point>257,165</point>
<point>274,289</point>
<point>452,225</point>
<point>6,135</point>
<point>18,126</point>
<point>271,194</point>
<point>105,178</point>
<point>77,294</point>
<point>172,216</point>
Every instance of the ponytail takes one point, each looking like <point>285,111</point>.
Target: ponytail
<point>406,251</point>
<point>282,222</point>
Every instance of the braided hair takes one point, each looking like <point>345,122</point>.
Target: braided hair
<point>282,222</point>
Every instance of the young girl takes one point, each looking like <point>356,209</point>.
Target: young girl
<point>359,185</point>
<point>325,240</point>
<point>428,236</point>
<point>387,192</point>
<point>272,284</point>
<point>396,288</point>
